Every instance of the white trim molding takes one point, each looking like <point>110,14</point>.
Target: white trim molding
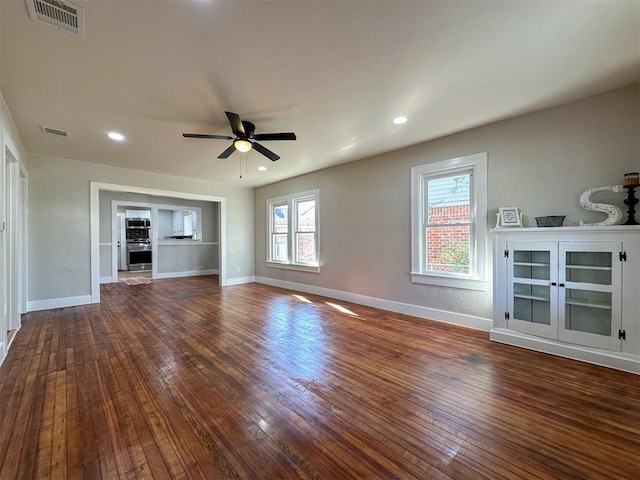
<point>291,201</point>
<point>240,280</point>
<point>605,358</point>
<point>460,319</point>
<point>191,273</point>
<point>476,166</point>
<point>60,303</point>
<point>96,187</point>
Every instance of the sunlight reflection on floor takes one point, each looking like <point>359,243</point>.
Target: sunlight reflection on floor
<point>296,338</point>
<point>342,309</point>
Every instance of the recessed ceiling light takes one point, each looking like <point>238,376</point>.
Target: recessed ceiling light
<point>262,169</point>
<point>400,120</point>
<point>118,137</point>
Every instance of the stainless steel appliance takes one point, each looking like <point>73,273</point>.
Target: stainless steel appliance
<point>138,244</point>
<point>139,257</point>
<point>138,222</point>
<point>137,230</point>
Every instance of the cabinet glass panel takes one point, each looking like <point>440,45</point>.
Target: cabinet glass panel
<point>531,264</point>
<point>531,303</point>
<point>587,311</point>
<point>589,267</point>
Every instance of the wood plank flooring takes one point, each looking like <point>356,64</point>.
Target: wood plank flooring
<point>182,379</point>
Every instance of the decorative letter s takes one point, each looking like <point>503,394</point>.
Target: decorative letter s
<point>613,212</point>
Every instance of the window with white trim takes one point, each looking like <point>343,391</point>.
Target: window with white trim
<point>448,222</point>
<point>293,231</point>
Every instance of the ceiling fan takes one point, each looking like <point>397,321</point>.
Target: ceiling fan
<point>245,138</point>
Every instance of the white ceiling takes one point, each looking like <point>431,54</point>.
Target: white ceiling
<point>334,72</point>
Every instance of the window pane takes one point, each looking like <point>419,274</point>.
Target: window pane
<point>293,230</point>
<point>448,199</point>
<point>279,247</point>
<point>448,249</point>
<point>305,247</point>
<point>306,216</point>
<point>280,219</point>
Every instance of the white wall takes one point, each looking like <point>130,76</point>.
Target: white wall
<point>13,238</point>
<point>59,222</point>
<point>540,162</point>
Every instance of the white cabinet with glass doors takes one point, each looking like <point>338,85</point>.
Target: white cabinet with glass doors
<point>575,289</point>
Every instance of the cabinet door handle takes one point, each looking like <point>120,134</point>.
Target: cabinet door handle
<point>561,285</point>
<point>553,284</point>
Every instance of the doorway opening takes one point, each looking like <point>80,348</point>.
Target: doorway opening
<point>98,261</point>
<point>13,288</point>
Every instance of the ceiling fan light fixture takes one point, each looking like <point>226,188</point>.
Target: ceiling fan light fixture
<point>244,137</point>
<point>242,145</point>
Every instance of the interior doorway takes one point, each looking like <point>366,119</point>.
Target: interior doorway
<point>120,269</point>
<point>97,187</point>
<point>12,243</point>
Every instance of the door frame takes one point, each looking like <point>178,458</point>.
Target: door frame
<point>118,223</point>
<point>97,187</point>
<point>13,248</point>
<point>122,242</point>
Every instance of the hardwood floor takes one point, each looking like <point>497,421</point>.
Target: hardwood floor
<point>183,379</point>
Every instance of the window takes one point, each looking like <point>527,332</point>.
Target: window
<point>293,231</point>
<point>448,221</point>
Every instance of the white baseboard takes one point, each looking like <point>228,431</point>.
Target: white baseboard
<point>58,303</point>
<point>192,273</point>
<point>469,321</point>
<point>5,351</point>
<point>107,280</point>
<point>239,281</point>
<point>604,358</point>
<point>10,342</point>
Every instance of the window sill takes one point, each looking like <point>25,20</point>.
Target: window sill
<point>466,283</point>
<point>291,266</point>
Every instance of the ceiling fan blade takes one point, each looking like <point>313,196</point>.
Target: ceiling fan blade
<point>275,136</point>
<point>204,135</point>
<point>227,152</point>
<point>236,124</point>
<point>266,152</point>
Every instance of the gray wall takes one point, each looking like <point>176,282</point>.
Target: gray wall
<point>209,211</point>
<point>171,258</point>
<point>59,221</point>
<point>540,162</point>
<point>187,258</point>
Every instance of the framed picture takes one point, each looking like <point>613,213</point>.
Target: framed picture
<point>509,217</point>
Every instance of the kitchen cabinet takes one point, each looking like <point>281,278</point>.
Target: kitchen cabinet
<point>184,222</point>
<point>178,222</point>
<point>570,291</point>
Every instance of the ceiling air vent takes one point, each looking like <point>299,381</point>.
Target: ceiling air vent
<point>61,14</point>
<point>54,131</point>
